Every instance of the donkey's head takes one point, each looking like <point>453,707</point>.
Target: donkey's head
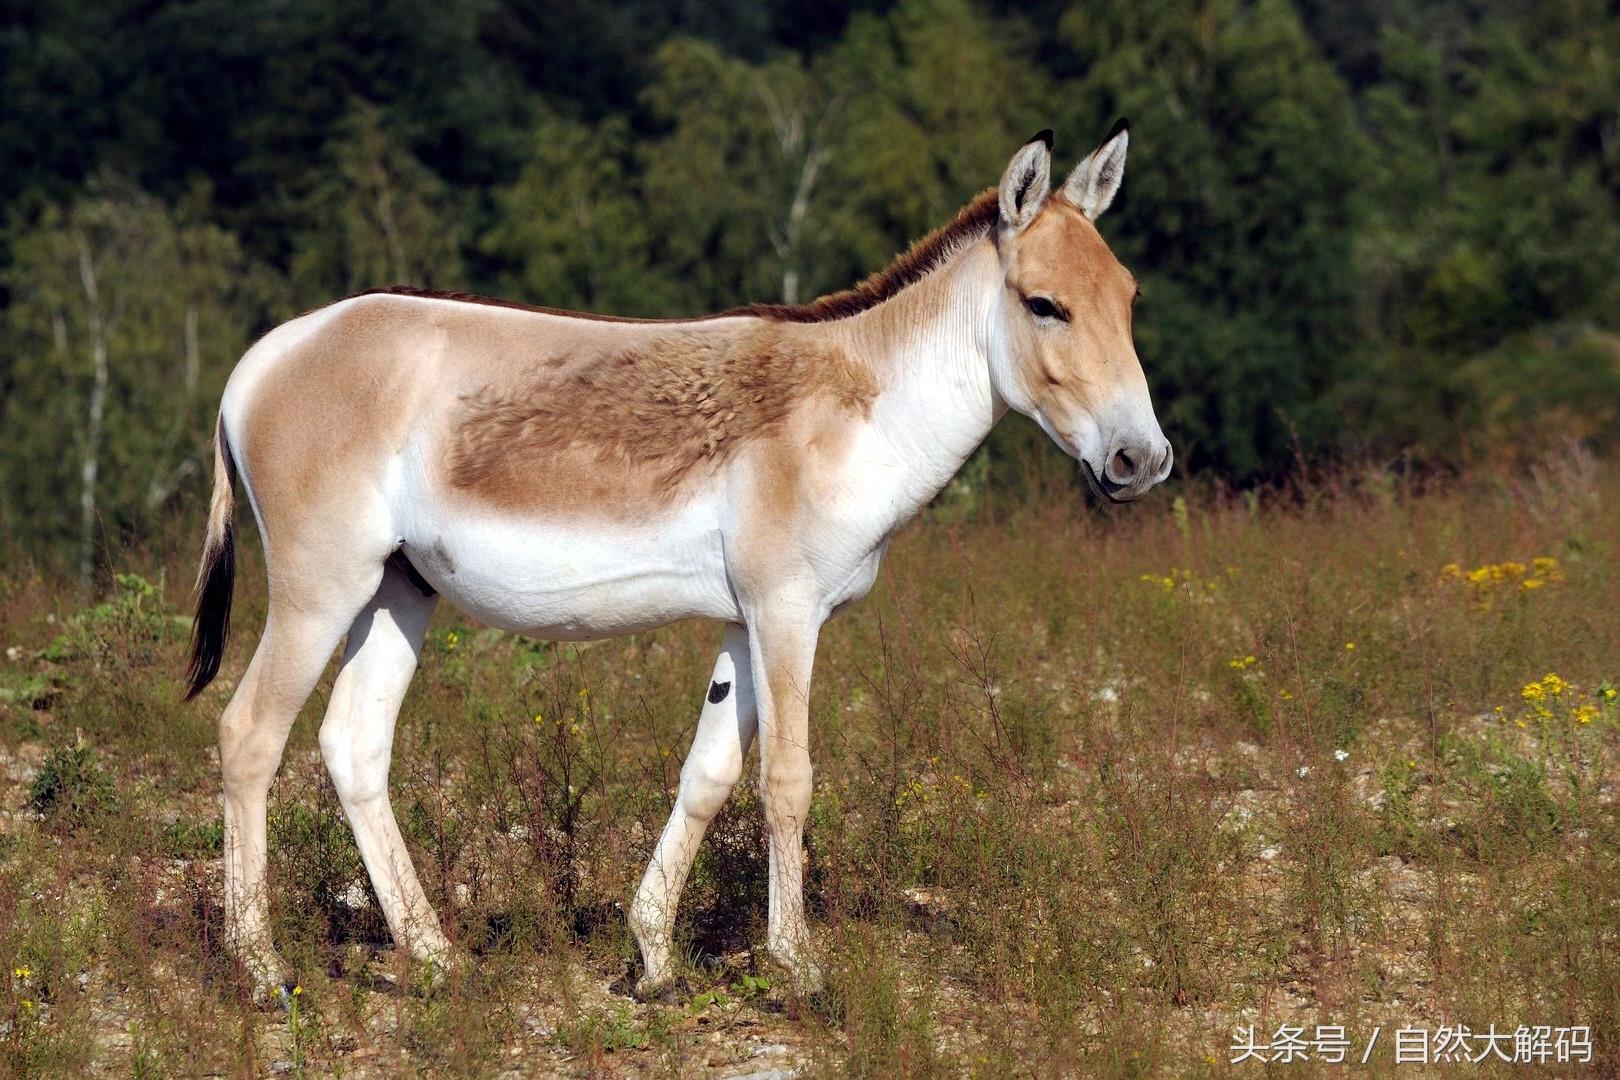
<point>1061,352</point>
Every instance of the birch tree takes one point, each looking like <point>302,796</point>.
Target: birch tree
<point>377,216</point>
<point>123,323</point>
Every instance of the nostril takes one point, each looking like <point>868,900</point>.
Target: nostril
<point>1121,467</point>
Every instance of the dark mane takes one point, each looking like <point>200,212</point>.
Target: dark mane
<point>972,222</point>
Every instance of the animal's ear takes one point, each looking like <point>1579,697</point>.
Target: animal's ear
<point>1027,180</point>
<point>1096,180</point>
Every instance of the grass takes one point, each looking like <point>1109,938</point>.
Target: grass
<point>1095,788</point>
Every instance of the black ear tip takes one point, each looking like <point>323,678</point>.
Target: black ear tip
<point>1042,136</point>
<point>1121,126</point>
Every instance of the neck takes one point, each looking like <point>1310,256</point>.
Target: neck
<point>929,345</point>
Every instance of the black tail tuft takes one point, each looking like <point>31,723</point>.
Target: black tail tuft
<point>216,577</point>
<point>212,624</point>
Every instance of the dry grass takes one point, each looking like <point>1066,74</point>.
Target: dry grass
<point>1093,789</point>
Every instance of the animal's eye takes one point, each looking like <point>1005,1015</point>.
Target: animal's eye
<point>1042,308</point>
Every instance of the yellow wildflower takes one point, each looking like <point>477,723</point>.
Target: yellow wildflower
<point>1584,714</point>
<point>1349,646</point>
<point>913,790</point>
<point>1608,693</point>
<point>22,971</point>
<point>1533,691</point>
<point>1484,580</point>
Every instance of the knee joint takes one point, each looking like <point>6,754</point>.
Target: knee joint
<point>351,774</point>
<point>786,785</point>
<point>705,787</point>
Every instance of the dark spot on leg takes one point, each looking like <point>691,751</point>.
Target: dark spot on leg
<point>718,692</point>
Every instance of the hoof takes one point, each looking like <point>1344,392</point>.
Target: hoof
<point>826,1004</point>
<point>430,974</point>
<point>670,991</point>
<point>272,993</point>
<point>269,985</point>
<point>803,974</point>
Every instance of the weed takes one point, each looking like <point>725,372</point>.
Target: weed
<point>72,787</point>
<point>1091,789</point>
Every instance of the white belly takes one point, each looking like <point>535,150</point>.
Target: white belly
<point>574,579</point>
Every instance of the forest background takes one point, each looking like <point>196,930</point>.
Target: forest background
<point>1379,232</point>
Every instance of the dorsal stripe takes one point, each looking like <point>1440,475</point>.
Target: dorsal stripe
<point>972,222</point>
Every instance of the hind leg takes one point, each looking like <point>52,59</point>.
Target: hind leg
<point>357,739</point>
<point>304,626</point>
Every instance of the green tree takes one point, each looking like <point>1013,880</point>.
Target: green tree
<point>571,228</point>
<point>1491,257</point>
<point>125,318</point>
<point>940,97</point>
<point>733,186</point>
<point>1376,228</point>
<point>378,217</point>
<point>1239,215</point>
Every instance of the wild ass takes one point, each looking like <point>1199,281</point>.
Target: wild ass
<point>572,476</point>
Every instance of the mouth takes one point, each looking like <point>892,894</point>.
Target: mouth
<point>1096,484</point>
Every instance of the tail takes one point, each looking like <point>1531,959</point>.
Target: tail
<point>216,576</point>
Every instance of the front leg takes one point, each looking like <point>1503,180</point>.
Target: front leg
<point>782,646</point>
<point>712,769</point>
